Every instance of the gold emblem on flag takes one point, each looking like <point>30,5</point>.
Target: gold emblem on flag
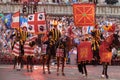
<point>84,52</point>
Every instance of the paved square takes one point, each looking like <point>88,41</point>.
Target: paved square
<point>71,73</point>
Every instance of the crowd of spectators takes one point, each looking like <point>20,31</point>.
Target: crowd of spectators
<point>49,1</point>
<point>5,44</point>
<point>63,1</point>
<point>67,2</point>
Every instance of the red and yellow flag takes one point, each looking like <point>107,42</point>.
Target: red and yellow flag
<point>84,14</point>
<point>105,54</point>
<point>84,51</point>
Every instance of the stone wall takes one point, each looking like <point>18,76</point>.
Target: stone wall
<point>61,9</point>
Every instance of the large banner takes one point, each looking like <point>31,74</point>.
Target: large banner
<point>84,14</point>
<point>84,51</point>
<point>37,23</point>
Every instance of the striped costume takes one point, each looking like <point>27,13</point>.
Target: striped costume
<point>55,33</point>
<point>96,43</point>
<point>24,35</point>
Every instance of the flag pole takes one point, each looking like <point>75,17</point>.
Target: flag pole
<point>46,19</point>
<point>19,21</point>
<point>19,24</point>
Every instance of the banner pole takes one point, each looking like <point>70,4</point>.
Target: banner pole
<point>46,18</point>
